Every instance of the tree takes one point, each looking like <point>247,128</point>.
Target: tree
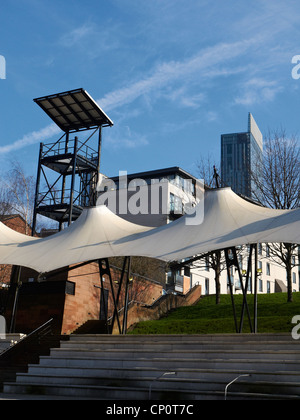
<point>276,181</point>
<point>216,261</point>
<point>17,192</point>
<point>207,170</point>
<point>6,207</point>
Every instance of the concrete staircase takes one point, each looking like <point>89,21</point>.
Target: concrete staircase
<point>166,367</point>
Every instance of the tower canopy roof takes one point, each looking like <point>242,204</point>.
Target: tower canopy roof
<point>74,110</point>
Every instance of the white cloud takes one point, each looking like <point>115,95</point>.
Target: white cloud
<point>258,90</point>
<point>184,98</point>
<point>90,40</point>
<point>76,35</point>
<point>124,137</point>
<point>205,64</point>
<point>169,72</point>
<point>31,138</point>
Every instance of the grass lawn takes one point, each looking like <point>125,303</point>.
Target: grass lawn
<point>274,315</point>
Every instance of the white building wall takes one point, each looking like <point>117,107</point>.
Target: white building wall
<point>271,273</point>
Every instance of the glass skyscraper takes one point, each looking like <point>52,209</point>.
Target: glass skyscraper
<point>239,153</point>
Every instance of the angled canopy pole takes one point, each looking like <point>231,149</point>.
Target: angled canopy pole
<point>255,288</point>
<point>244,291</point>
<point>249,271</point>
<point>126,298</point>
<point>229,264</point>
<point>232,261</point>
<point>116,313</point>
<point>104,268</point>
<point>16,298</point>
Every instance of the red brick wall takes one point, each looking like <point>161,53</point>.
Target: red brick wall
<point>70,311</point>
<point>18,224</point>
<point>85,304</point>
<point>138,312</point>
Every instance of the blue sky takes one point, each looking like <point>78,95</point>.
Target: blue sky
<point>173,75</point>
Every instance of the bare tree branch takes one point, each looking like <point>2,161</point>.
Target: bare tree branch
<point>276,181</point>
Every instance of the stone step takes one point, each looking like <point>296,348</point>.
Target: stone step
<point>127,367</point>
<point>248,384</point>
<point>239,338</point>
<point>172,363</point>
<point>151,372</point>
<point>208,354</point>
<point>170,345</point>
<point>127,393</point>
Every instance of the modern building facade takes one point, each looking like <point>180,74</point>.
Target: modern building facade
<point>239,154</point>
<point>153,198</point>
<point>271,274</point>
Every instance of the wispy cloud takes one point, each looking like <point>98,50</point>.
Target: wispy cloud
<point>77,35</point>
<point>90,39</point>
<point>205,64</point>
<point>31,138</point>
<point>124,137</point>
<point>258,90</point>
<point>168,72</point>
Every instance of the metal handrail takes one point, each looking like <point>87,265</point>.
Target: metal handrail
<point>40,332</point>
<point>63,147</point>
<point>231,382</point>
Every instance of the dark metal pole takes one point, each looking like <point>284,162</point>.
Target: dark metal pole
<point>37,190</point>
<point>99,150</point>
<point>102,295</point>
<point>228,265</point>
<point>245,302</point>
<point>73,180</point>
<point>63,190</point>
<point>113,295</point>
<point>126,298</point>
<point>119,293</point>
<point>98,167</point>
<point>249,269</point>
<point>255,289</point>
<point>16,298</point>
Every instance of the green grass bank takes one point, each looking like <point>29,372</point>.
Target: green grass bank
<point>274,316</point>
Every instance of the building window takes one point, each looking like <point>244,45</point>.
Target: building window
<point>187,271</point>
<point>70,288</point>
<point>260,285</point>
<point>206,263</point>
<point>268,287</point>
<point>268,269</point>
<point>207,286</point>
<point>294,278</point>
<point>176,205</point>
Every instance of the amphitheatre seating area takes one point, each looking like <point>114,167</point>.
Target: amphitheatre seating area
<point>166,367</point>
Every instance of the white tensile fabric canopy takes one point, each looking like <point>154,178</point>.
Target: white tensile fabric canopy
<point>98,233</point>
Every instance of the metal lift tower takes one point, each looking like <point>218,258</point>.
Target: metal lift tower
<point>68,169</point>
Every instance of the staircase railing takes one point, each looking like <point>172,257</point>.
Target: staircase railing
<point>34,338</point>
